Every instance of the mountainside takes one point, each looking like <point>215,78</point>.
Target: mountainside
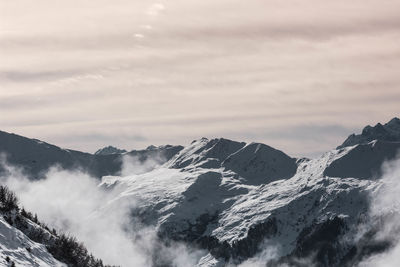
<point>231,212</point>
<point>36,157</point>
<point>228,198</point>
<point>363,161</point>
<point>235,201</point>
<point>16,247</point>
<point>388,132</point>
<point>25,241</point>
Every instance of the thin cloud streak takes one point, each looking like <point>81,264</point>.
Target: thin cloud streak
<point>244,70</point>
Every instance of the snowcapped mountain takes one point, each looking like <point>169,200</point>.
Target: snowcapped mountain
<point>229,197</point>
<point>235,200</point>
<point>255,193</point>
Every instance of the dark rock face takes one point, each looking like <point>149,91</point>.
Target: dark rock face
<point>329,243</point>
<point>387,132</point>
<point>317,245</point>
<point>235,252</point>
<point>243,248</point>
<point>363,161</point>
<point>321,241</point>
<point>247,247</point>
<point>380,235</point>
<point>261,164</point>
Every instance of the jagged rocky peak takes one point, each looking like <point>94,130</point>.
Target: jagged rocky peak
<point>387,132</point>
<point>361,156</point>
<point>108,150</point>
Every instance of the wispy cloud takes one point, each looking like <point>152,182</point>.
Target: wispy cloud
<point>240,66</point>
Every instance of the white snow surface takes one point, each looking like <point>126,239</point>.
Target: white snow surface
<point>14,244</point>
<point>172,197</point>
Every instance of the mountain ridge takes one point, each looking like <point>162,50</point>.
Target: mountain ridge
<point>389,131</point>
<point>227,197</point>
<point>109,150</point>
<point>35,157</point>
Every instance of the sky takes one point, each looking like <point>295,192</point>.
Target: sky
<point>297,75</point>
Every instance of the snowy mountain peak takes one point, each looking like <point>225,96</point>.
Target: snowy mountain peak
<point>227,197</point>
<point>108,150</point>
<point>206,153</point>
<point>261,164</point>
<point>387,132</point>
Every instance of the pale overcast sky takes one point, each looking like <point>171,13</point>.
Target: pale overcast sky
<point>297,75</point>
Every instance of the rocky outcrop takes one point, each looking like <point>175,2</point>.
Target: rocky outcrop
<point>389,132</point>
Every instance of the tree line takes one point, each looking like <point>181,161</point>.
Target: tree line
<point>63,247</point>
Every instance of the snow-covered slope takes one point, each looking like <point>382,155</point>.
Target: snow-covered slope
<point>205,153</point>
<point>230,203</point>
<point>21,250</point>
<point>26,241</point>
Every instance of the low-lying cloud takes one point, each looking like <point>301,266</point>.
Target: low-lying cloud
<point>73,202</point>
<point>269,252</point>
<point>385,208</point>
<point>134,165</point>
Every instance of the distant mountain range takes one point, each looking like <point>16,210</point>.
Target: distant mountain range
<point>228,197</point>
<point>36,156</point>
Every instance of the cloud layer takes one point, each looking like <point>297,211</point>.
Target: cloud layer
<point>72,202</point>
<point>134,73</point>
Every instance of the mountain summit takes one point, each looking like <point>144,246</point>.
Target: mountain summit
<point>108,150</point>
<point>387,132</point>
